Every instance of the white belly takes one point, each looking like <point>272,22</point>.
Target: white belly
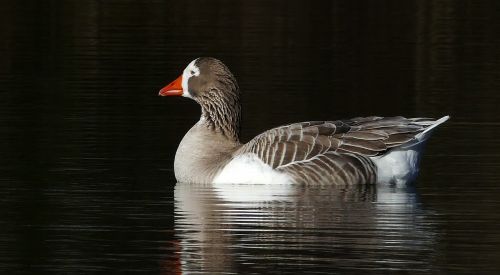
<point>248,168</point>
<point>398,166</point>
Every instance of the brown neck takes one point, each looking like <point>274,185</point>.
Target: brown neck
<point>221,112</point>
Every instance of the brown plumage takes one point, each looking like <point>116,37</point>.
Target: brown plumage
<point>333,151</point>
<point>321,152</point>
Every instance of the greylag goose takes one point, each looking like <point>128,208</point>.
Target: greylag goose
<point>353,151</point>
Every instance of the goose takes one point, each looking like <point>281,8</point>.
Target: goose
<point>361,150</point>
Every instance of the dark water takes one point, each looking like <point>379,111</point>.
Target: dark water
<point>87,146</point>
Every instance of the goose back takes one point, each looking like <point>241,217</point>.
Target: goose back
<point>337,152</point>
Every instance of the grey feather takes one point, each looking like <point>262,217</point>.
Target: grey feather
<point>339,151</point>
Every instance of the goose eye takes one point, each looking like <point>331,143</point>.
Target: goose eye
<point>192,72</point>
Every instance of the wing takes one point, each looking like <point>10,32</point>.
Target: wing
<point>336,151</point>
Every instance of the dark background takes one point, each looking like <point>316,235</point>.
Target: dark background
<point>87,146</point>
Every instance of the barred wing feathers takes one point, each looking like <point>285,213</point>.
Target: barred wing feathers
<point>333,151</point>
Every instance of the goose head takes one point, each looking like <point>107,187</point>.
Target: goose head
<point>209,82</point>
<point>203,78</point>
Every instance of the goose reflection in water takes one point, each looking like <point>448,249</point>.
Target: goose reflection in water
<point>280,228</point>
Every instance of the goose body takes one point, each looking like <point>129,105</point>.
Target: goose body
<point>361,150</point>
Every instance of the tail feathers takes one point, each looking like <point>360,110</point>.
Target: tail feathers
<point>423,136</point>
<point>427,132</point>
<point>400,165</point>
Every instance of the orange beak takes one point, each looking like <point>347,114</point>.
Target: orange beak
<point>172,89</point>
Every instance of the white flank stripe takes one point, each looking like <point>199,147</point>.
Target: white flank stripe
<point>248,168</point>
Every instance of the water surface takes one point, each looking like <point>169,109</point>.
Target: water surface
<point>87,147</point>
